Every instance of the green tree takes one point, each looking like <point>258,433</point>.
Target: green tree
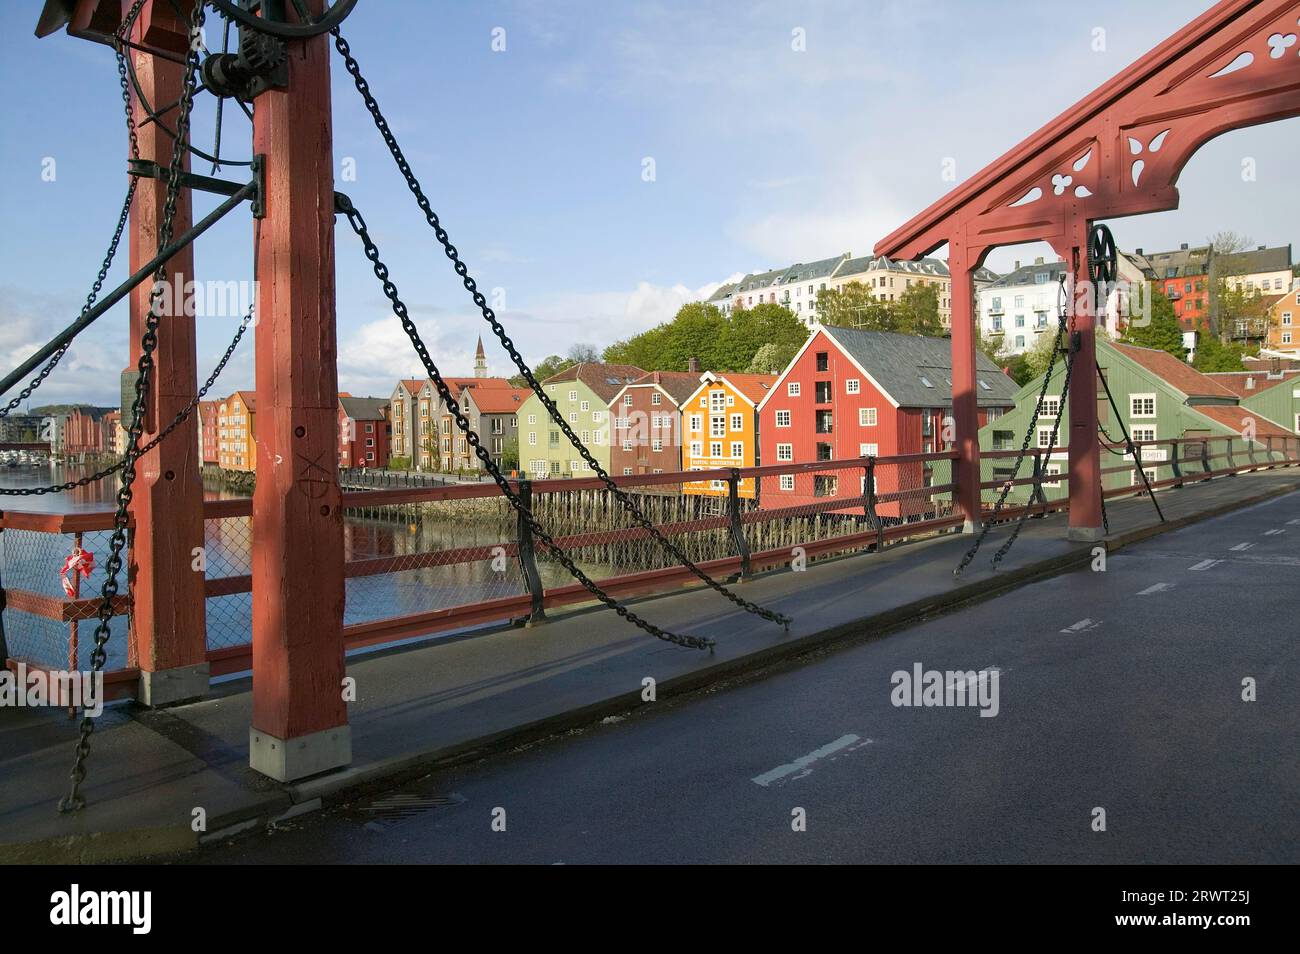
<point>771,358</point>
<point>1162,331</point>
<point>917,311</point>
<point>720,343</point>
<point>544,369</point>
<point>1213,355</point>
<point>510,454</point>
<point>855,306</point>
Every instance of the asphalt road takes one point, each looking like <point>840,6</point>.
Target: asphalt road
<point>1118,690</point>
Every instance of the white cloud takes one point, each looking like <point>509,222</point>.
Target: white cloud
<point>376,354</point>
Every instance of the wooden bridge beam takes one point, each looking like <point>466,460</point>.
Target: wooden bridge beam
<point>299,716</point>
<point>168,621</point>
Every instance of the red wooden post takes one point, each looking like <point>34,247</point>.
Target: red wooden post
<point>299,716</point>
<point>1084,445</point>
<point>168,621</point>
<point>965,401</point>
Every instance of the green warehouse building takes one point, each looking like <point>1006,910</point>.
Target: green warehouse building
<point>582,393</point>
<point>1158,396</point>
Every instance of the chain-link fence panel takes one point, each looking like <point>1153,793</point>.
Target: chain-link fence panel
<point>44,625</point>
<point>409,558</point>
<point>605,540</point>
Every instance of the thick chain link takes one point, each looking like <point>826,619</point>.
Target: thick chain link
<point>1051,443</point>
<point>412,183</point>
<point>181,416</point>
<point>1030,431</point>
<point>74,800</point>
<point>358,225</point>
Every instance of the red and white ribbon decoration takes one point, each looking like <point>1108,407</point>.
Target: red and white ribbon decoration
<point>78,561</point>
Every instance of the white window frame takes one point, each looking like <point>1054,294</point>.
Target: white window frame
<point>779,421</point>
<point>737,449</point>
<point>852,386</point>
<point>1133,400</point>
<point>697,423</point>
<point>792,388</point>
<point>868,450</point>
<point>787,481</point>
<point>867,417</point>
<point>737,422</point>
<point>784,452</point>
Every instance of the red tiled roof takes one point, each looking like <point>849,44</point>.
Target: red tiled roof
<point>753,386</point>
<point>412,385</point>
<point>1235,381</point>
<point>249,398</point>
<point>605,379</point>
<point>678,384</point>
<point>1233,417</point>
<point>499,400</point>
<point>1172,371</point>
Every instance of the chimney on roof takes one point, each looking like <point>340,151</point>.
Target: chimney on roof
<point>1139,251</point>
<point>1183,246</point>
<point>693,365</point>
<point>1262,248</point>
<point>1017,263</point>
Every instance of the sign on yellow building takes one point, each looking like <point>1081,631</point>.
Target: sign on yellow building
<point>720,429</point>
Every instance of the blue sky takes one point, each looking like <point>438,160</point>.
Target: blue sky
<point>533,157</point>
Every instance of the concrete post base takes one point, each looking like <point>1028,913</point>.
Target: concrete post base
<point>1085,534</point>
<point>288,760</point>
<point>168,687</point>
<point>971,526</point>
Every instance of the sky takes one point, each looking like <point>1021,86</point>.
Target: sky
<point>537,159</point>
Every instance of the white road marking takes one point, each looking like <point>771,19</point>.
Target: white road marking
<point>967,680</point>
<point>1293,523</point>
<point>1241,546</point>
<point>1156,588</point>
<point>1205,565</point>
<point>803,765</point>
<point>1273,533</point>
<point>1080,627</point>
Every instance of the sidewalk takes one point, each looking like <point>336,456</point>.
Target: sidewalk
<point>464,696</point>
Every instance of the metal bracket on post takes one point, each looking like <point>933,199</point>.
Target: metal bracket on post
<point>148,169</point>
<point>737,531</point>
<point>1038,496</point>
<point>869,478</point>
<point>1269,451</point>
<point>1205,455</point>
<point>1232,463</point>
<point>527,556</point>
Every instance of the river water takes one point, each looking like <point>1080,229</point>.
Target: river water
<point>32,561</point>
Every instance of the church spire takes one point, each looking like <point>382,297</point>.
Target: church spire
<point>480,360</point>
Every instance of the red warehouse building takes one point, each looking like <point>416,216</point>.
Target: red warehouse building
<point>209,444</point>
<point>850,394</point>
<point>364,432</point>
<point>648,423</point>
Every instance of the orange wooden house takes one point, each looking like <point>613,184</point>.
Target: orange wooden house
<point>720,429</point>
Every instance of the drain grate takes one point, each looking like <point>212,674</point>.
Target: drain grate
<point>393,808</point>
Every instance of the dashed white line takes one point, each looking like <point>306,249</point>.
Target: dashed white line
<point>1081,627</point>
<point>1205,565</point>
<point>803,765</point>
<point>1273,533</point>
<point>1241,546</point>
<point>1156,588</point>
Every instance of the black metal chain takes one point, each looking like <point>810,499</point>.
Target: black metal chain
<point>181,416</point>
<point>498,329</point>
<point>1029,433</point>
<point>358,225</point>
<point>1051,443</point>
<point>74,800</point>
